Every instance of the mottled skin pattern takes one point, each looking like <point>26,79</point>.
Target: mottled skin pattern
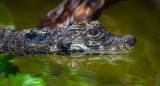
<point>75,38</point>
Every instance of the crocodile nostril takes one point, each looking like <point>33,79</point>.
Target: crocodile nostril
<point>130,40</point>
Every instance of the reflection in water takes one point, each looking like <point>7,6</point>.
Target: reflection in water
<point>87,70</point>
<point>84,62</point>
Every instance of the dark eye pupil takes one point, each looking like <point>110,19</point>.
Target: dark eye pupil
<point>93,32</point>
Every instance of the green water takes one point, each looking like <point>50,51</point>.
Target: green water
<point>141,67</point>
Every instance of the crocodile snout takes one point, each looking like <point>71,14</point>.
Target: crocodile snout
<point>129,40</point>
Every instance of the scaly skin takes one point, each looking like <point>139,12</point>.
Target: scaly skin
<point>75,38</point>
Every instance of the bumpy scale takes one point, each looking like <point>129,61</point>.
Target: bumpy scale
<point>79,37</point>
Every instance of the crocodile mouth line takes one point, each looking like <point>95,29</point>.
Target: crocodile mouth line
<point>90,51</point>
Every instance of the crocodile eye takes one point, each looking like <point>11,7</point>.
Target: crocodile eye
<point>93,32</point>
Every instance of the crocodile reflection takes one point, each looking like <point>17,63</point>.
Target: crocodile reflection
<point>79,37</point>
<point>89,63</point>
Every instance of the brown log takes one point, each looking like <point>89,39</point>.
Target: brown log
<point>70,11</point>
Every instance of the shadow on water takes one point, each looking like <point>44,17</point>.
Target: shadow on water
<point>139,68</point>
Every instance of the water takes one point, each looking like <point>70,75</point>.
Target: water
<point>141,67</point>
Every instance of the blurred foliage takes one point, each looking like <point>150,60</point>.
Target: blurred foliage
<point>22,80</point>
<point>6,66</point>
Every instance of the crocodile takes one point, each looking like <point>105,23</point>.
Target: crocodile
<point>78,37</point>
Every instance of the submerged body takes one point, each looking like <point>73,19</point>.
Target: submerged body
<point>78,37</point>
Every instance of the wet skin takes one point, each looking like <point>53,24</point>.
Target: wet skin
<point>77,37</point>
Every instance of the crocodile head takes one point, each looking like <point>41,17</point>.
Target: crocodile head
<point>93,36</point>
<point>83,37</point>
